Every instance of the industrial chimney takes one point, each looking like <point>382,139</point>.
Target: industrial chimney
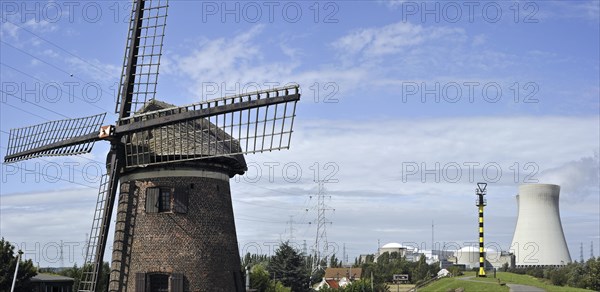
<point>539,239</point>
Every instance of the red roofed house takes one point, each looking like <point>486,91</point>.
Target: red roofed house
<point>339,277</point>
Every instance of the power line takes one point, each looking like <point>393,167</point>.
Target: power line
<point>42,81</point>
<point>321,243</point>
<point>37,58</point>
<point>70,74</point>
<point>273,190</point>
<point>70,181</point>
<point>40,106</point>
<point>256,219</point>
<point>20,109</point>
<point>268,206</point>
<point>55,177</point>
<point>260,205</point>
<point>55,45</point>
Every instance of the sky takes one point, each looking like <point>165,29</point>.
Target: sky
<point>405,106</point>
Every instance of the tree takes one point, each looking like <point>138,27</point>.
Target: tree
<point>334,262</point>
<point>455,271</point>
<point>7,268</point>
<point>593,280</point>
<point>420,271</point>
<point>75,272</point>
<point>253,259</point>
<point>288,267</point>
<point>259,278</point>
<point>276,286</point>
<point>389,264</point>
<point>576,274</point>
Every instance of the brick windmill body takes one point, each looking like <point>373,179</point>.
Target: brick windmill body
<point>175,228</point>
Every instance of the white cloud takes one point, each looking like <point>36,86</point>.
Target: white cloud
<point>38,221</point>
<point>40,26</point>
<point>371,197</point>
<point>8,29</point>
<point>237,62</point>
<point>392,3</point>
<point>584,10</point>
<point>371,201</point>
<point>479,39</point>
<point>393,39</point>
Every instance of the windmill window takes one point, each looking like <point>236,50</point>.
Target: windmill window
<point>158,283</point>
<point>160,200</point>
<point>164,202</point>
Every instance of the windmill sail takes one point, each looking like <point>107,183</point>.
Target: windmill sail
<point>142,55</point>
<point>62,137</point>
<point>250,123</point>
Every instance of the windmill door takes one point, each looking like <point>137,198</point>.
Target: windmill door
<point>157,282</point>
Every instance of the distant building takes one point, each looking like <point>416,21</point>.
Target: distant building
<point>466,257</point>
<point>469,257</point>
<point>435,256</point>
<point>403,251</point>
<point>51,283</point>
<point>413,254</point>
<point>338,277</point>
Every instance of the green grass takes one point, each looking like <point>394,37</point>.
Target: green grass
<point>449,284</point>
<point>491,284</point>
<point>533,281</point>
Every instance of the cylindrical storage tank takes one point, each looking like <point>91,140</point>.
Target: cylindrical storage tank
<point>469,256</point>
<point>539,239</point>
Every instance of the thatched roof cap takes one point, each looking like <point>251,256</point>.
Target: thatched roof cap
<point>196,139</point>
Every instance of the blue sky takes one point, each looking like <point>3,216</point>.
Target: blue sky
<point>508,86</point>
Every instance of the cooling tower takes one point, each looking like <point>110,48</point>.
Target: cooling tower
<point>539,239</point>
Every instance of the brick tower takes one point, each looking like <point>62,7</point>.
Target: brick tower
<point>175,229</point>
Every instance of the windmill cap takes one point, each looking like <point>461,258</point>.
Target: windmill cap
<point>235,162</point>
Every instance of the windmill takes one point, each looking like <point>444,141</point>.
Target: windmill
<point>171,165</point>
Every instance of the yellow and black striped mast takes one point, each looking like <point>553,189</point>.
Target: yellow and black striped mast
<point>480,204</point>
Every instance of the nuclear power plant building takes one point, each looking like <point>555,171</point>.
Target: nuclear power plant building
<point>539,239</point>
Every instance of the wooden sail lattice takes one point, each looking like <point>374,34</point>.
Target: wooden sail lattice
<point>144,51</point>
<point>251,130</point>
<point>34,141</point>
